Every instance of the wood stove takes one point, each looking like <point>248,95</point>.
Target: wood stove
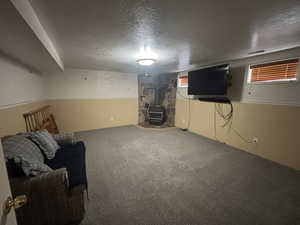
<point>157,98</point>
<point>156,115</point>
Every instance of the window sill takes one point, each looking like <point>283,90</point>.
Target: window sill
<point>274,82</point>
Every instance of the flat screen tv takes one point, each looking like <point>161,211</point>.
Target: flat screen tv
<point>212,81</point>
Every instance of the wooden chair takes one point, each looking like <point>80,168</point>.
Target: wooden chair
<point>40,118</point>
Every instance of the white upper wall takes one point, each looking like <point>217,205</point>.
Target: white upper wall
<point>287,93</point>
<point>87,84</point>
<point>18,85</point>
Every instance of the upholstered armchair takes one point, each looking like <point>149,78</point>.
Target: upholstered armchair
<point>50,201</point>
<point>56,197</point>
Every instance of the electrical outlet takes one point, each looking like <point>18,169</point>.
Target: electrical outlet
<point>255,140</point>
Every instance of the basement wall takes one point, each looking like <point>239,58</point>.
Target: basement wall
<point>92,99</point>
<point>20,91</point>
<point>270,113</point>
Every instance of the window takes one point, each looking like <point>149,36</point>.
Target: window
<point>183,81</point>
<point>276,71</point>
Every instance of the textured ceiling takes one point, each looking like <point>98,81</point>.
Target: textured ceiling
<point>108,34</point>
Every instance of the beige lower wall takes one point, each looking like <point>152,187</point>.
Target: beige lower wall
<point>75,114</point>
<point>276,127</point>
<point>11,119</point>
<point>87,114</point>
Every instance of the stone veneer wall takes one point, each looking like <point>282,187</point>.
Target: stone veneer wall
<point>166,86</point>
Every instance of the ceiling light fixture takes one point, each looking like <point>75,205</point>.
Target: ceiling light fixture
<point>146,57</point>
<point>146,62</point>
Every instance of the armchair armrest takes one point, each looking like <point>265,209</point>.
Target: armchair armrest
<point>55,180</point>
<point>48,197</point>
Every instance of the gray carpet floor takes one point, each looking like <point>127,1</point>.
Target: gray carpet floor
<point>149,177</point>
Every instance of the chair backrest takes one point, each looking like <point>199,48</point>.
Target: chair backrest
<point>40,118</point>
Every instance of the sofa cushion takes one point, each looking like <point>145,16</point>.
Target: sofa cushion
<point>25,154</point>
<point>71,157</point>
<point>65,138</point>
<point>46,142</point>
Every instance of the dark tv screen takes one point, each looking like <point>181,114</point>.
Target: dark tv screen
<point>209,81</point>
